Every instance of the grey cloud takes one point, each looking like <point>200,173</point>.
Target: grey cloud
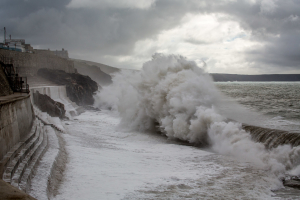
<point>114,31</point>
<point>111,31</point>
<point>276,30</point>
<point>12,9</point>
<point>196,42</point>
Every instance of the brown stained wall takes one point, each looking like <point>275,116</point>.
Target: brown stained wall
<point>16,117</point>
<point>29,63</point>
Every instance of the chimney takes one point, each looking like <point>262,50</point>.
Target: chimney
<point>4,35</point>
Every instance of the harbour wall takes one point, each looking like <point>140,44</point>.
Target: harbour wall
<point>272,138</point>
<point>29,63</point>
<point>16,118</point>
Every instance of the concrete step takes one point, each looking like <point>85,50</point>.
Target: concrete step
<point>13,165</point>
<point>16,178</point>
<point>48,173</point>
<point>16,149</point>
<point>48,124</point>
<point>20,162</point>
<point>25,170</point>
<point>28,174</point>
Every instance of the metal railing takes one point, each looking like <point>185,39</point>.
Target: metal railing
<point>6,60</point>
<point>17,83</point>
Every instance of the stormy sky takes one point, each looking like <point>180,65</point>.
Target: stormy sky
<point>230,36</point>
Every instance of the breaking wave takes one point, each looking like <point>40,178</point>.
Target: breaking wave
<point>175,95</point>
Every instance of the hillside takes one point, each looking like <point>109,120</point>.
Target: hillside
<point>101,74</point>
<point>97,71</point>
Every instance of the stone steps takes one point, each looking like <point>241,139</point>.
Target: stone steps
<point>47,124</point>
<point>16,178</point>
<point>18,164</point>
<point>48,174</point>
<point>14,164</point>
<point>26,178</point>
<point>8,158</point>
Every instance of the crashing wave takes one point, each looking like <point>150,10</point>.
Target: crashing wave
<point>176,95</point>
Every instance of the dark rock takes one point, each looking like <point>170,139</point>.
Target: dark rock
<point>91,108</point>
<point>80,88</point>
<point>46,104</point>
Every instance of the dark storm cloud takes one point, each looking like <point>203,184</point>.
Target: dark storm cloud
<point>21,8</point>
<point>113,31</point>
<point>31,19</point>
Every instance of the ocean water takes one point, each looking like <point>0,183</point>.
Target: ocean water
<point>175,97</point>
<point>279,102</point>
<point>169,132</point>
<point>106,162</point>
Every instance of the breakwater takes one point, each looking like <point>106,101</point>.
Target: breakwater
<point>272,138</point>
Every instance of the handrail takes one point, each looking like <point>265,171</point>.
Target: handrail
<point>6,60</point>
<point>17,83</point>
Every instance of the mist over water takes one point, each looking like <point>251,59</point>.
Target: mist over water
<point>176,96</point>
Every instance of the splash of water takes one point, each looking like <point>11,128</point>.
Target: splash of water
<point>177,96</point>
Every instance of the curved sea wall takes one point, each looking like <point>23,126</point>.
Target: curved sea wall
<point>16,118</point>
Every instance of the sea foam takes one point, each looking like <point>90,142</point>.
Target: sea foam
<point>175,95</point>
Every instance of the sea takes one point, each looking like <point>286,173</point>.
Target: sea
<point>169,132</point>
<point>278,101</point>
<point>277,104</point>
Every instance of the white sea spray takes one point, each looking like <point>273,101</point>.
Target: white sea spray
<point>180,98</point>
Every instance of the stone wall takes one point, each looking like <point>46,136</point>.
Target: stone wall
<point>62,53</point>
<point>29,63</point>
<point>4,85</point>
<point>16,118</point>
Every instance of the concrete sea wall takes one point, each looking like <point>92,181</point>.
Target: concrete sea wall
<point>16,118</point>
